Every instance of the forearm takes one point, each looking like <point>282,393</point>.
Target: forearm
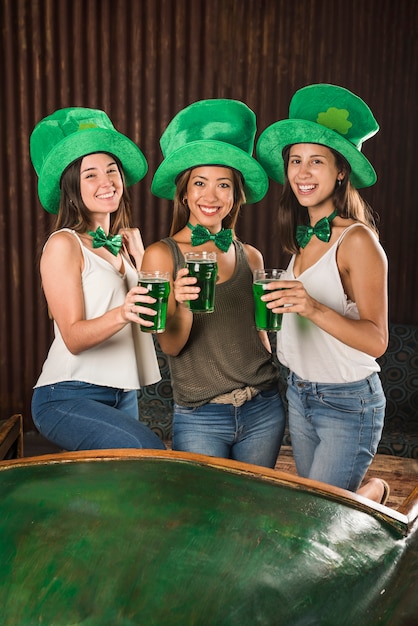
<point>177,331</point>
<point>363,334</point>
<point>264,338</point>
<point>86,334</point>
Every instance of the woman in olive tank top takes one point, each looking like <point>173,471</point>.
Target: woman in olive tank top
<point>224,378</point>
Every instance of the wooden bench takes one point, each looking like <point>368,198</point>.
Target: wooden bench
<point>11,437</point>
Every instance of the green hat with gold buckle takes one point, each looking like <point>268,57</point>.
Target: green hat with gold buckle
<point>324,114</point>
<point>211,132</point>
<point>68,134</point>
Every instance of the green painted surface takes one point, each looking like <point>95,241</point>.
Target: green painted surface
<point>151,541</point>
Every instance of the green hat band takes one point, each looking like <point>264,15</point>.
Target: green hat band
<point>324,114</point>
<point>210,132</point>
<point>69,134</point>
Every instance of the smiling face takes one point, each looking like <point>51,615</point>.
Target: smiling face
<point>313,173</point>
<point>101,185</point>
<point>210,196</point>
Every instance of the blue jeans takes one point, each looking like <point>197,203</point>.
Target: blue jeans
<point>335,428</point>
<point>251,433</point>
<point>80,416</point>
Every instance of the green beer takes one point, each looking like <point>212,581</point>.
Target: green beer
<point>265,319</point>
<point>203,266</point>
<point>158,285</point>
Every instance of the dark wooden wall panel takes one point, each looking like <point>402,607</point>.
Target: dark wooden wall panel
<point>143,60</point>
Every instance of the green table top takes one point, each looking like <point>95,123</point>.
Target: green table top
<point>167,541</point>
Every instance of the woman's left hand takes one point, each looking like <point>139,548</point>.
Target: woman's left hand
<point>136,304</point>
<point>132,240</point>
<point>289,296</point>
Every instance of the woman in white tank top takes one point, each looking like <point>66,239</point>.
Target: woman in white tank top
<point>334,302</point>
<point>86,395</point>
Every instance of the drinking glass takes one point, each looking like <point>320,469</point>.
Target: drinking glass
<point>265,319</point>
<point>203,265</point>
<point>158,285</point>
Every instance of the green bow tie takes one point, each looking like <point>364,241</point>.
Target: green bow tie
<point>112,242</point>
<point>322,230</point>
<point>200,235</point>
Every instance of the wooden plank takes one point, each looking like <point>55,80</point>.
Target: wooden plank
<point>11,437</point>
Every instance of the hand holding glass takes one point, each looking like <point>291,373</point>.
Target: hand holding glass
<point>158,285</point>
<point>204,267</point>
<point>265,319</point>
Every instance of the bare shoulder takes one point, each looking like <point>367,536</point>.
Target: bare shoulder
<point>157,256</point>
<point>62,243</point>
<point>360,243</point>
<point>362,235</point>
<point>62,254</point>
<point>254,256</point>
<point>157,248</point>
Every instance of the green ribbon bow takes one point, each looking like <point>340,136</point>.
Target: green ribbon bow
<point>200,234</point>
<point>112,242</point>
<point>322,230</point>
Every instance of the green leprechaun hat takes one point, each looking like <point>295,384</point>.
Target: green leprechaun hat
<point>211,132</point>
<point>68,134</point>
<point>328,115</point>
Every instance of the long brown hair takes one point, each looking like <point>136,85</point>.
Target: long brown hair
<point>181,211</point>
<point>346,199</point>
<point>74,214</point>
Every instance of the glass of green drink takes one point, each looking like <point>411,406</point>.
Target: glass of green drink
<point>265,319</point>
<point>158,285</point>
<point>204,267</point>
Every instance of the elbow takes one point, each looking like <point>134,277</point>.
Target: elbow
<point>169,348</point>
<point>73,348</point>
<point>172,351</point>
<point>378,353</point>
<point>74,351</point>
<point>380,346</point>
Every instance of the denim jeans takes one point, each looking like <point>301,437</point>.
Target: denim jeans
<point>251,433</point>
<point>80,416</point>
<point>335,428</point>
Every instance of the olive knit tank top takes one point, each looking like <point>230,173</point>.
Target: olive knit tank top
<point>224,351</point>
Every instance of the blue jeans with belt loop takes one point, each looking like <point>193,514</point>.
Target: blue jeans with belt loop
<point>335,428</point>
<point>81,416</point>
<point>251,433</point>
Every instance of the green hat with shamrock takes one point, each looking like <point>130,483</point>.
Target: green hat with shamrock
<point>68,134</point>
<point>328,115</point>
<point>210,132</point>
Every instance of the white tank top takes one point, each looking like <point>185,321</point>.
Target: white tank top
<point>113,362</point>
<point>310,352</point>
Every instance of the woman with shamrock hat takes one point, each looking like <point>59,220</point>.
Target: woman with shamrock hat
<point>85,397</point>
<point>225,383</point>
<point>335,299</point>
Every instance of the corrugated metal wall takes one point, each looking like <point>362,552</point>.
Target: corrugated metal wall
<point>142,61</point>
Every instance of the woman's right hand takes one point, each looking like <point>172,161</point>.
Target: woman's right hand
<point>184,287</point>
<point>179,317</point>
<point>289,296</point>
<point>135,305</point>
